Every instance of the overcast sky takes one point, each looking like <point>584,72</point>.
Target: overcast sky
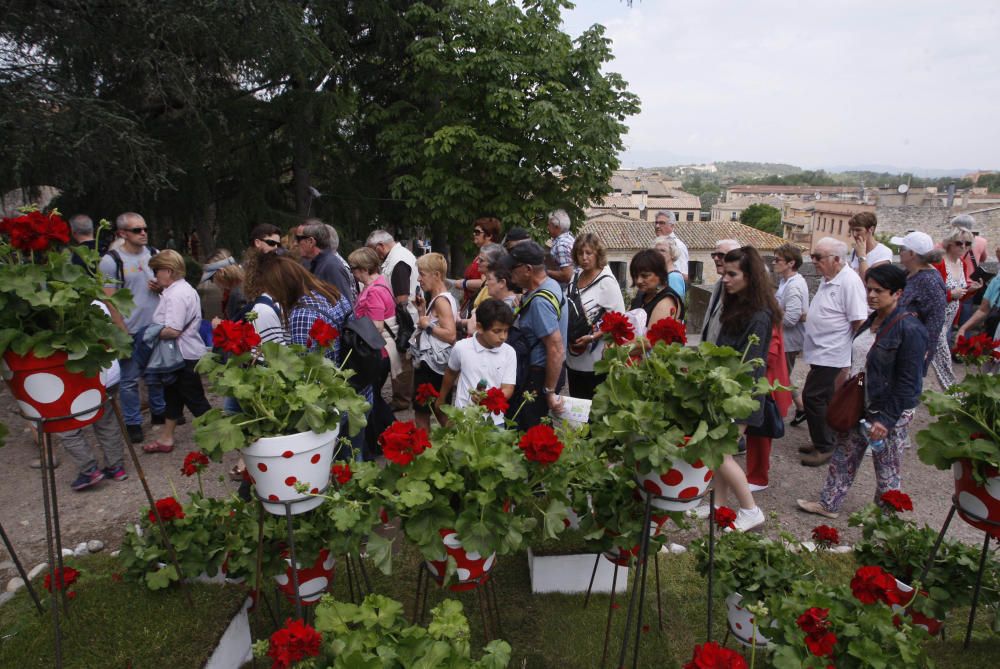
<point>814,83</point>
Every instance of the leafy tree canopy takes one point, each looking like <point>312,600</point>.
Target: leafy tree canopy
<point>763,217</point>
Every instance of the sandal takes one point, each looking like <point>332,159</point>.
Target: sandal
<point>237,473</point>
<point>157,447</point>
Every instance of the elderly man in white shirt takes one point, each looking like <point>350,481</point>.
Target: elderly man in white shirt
<point>838,308</point>
<point>663,226</point>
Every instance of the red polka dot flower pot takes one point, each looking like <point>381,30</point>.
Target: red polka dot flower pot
<point>741,622</point>
<point>276,465</point>
<point>679,488</point>
<point>471,568</point>
<point>314,580</point>
<point>978,502</point>
<point>44,388</point>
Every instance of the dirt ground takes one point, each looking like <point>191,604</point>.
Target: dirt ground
<point>101,512</point>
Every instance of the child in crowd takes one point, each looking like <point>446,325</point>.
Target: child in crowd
<point>482,361</point>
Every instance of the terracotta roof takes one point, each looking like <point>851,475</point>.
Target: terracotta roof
<point>619,232</point>
<point>614,201</point>
<point>803,190</point>
<point>677,199</point>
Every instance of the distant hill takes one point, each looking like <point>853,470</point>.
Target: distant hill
<point>926,173</point>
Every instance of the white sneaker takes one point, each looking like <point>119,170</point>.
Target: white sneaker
<point>747,519</point>
<point>757,488</point>
<point>700,512</point>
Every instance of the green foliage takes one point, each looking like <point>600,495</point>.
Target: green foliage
<point>752,565</point>
<point>866,635</point>
<point>46,306</point>
<point>763,217</point>
<point>375,635</point>
<point>211,531</point>
<point>644,409</point>
<point>901,548</point>
<point>353,511</point>
<point>968,415</point>
<point>476,480</point>
<point>281,390</point>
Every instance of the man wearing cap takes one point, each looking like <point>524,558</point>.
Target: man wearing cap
<point>541,323</point>
<point>663,226</point>
<point>128,267</point>
<point>560,262</point>
<point>318,247</point>
<point>514,237</point>
<point>838,308</point>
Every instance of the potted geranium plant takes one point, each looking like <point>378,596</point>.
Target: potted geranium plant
<point>474,490</point>
<point>966,435</point>
<point>900,547</point>
<point>375,633</point>
<point>668,412</point>
<point>848,627</point>
<point>748,569</point>
<point>291,403</point>
<point>208,535</point>
<point>54,340</point>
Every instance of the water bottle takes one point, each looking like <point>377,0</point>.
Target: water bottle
<point>866,429</point>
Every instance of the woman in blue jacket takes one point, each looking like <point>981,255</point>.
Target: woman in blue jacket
<point>894,372</point>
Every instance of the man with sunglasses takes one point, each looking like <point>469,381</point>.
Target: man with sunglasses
<point>128,267</point>
<point>318,248</point>
<point>839,306</point>
<point>266,238</point>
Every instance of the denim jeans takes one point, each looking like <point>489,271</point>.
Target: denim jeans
<point>129,392</point>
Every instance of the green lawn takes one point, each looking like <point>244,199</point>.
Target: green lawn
<point>120,624</point>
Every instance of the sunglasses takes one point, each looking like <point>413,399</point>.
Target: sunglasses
<point>477,231</point>
<point>299,238</point>
<point>962,243</point>
<point>271,242</point>
<point>717,254</point>
<point>817,257</point>
<point>137,231</point>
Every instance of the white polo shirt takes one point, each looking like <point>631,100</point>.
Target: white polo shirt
<point>681,264</point>
<point>881,253</point>
<point>474,363</point>
<point>837,303</point>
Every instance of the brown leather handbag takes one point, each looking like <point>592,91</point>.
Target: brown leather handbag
<point>847,406</point>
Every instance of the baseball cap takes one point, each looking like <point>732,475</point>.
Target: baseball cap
<point>525,253</point>
<point>516,234</point>
<point>208,271</point>
<point>918,242</point>
<point>963,221</point>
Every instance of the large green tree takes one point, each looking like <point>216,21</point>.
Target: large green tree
<point>215,115</point>
<point>763,217</point>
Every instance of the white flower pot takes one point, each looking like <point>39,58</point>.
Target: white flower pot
<point>681,481</point>
<point>276,464</point>
<point>741,622</point>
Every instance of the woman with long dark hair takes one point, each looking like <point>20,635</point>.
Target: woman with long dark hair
<point>749,315</point>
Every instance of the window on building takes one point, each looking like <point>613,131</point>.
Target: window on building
<point>690,216</point>
<point>840,227</point>
<point>732,216</point>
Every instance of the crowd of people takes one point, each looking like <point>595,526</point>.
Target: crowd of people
<point>524,320</point>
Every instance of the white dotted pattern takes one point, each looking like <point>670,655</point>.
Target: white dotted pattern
<point>44,388</point>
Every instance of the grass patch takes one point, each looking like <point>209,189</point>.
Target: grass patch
<point>118,623</point>
<point>121,624</point>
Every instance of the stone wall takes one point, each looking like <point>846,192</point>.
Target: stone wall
<point>897,221</point>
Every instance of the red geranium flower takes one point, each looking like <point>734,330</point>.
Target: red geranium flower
<point>293,643</point>
<point>540,444</point>
<point>194,462</point>
<point>401,442</point>
<point>667,330</point>
<point>342,472</point>
<point>899,501</point>
<point>973,349</point>
<point>713,656</point>
<point>813,621</point>
<point>821,645</point>
<point>724,516</point>
<point>874,584</point>
<point>323,333</point>
<point>35,231</point>
<point>69,576</point>
<point>168,508</point>
<point>426,394</point>
<point>825,536</point>
<point>236,337</point>
<point>618,327</point>
<point>495,401</point>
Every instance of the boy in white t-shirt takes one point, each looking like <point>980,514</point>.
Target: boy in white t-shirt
<point>482,361</point>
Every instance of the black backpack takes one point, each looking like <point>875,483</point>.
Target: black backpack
<point>523,341</point>
<point>404,328</point>
<point>579,324</point>
<point>361,351</point>
<point>120,264</point>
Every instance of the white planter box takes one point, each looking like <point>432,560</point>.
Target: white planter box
<point>233,650</point>
<point>571,574</point>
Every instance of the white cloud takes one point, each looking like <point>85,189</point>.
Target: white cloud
<point>910,83</point>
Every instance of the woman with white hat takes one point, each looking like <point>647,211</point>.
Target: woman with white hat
<point>925,293</point>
